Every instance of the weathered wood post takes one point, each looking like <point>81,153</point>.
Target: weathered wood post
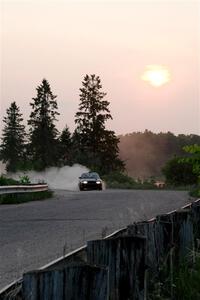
<point>164,236</point>
<point>183,234</point>
<point>175,240</point>
<point>85,282</point>
<point>78,282</point>
<point>175,231</point>
<point>148,229</point>
<point>43,285</point>
<point>125,258</point>
<point>196,223</point>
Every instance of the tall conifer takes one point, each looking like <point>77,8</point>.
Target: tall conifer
<point>12,150</point>
<point>95,143</point>
<point>65,144</point>
<point>43,132</point>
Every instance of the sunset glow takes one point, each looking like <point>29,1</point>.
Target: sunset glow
<point>145,52</point>
<point>156,75</point>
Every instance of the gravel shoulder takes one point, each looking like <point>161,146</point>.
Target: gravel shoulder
<point>32,234</point>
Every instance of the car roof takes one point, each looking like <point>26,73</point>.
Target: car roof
<point>90,175</point>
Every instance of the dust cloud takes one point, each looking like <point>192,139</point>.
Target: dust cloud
<point>65,178</point>
<point>2,168</point>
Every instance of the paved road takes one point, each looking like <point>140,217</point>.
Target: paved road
<point>33,234</point>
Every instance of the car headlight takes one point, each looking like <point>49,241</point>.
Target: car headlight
<point>98,182</point>
<point>84,182</point>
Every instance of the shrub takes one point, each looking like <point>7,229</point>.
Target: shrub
<point>24,179</point>
<point>122,181</point>
<point>8,181</point>
<point>179,172</point>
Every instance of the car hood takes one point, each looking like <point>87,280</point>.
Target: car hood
<point>89,179</point>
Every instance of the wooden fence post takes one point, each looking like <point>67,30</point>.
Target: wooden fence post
<point>196,221</point>
<point>183,234</point>
<point>43,285</point>
<point>175,231</point>
<point>148,229</point>
<point>85,282</point>
<point>78,282</point>
<point>125,258</point>
<point>30,285</point>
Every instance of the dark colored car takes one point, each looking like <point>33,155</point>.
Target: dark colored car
<point>90,181</point>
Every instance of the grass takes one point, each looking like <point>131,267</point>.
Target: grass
<point>185,284</point>
<point>24,197</point>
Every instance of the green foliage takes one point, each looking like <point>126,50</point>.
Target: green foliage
<point>179,172</point>
<point>24,180</point>
<point>8,181</point>
<point>95,146</point>
<point>118,180</point>
<point>194,158</point>
<point>43,133</point>
<point>24,197</point>
<point>12,149</point>
<point>187,282</point>
<point>119,177</point>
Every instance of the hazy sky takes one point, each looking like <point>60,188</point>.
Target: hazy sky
<point>63,40</point>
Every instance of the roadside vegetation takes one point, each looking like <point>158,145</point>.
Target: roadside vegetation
<point>8,181</point>
<point>24,197</point>
<point>187,281</point>
<point>183,284</point>
<point>119,180</point>
<point>185,170</point>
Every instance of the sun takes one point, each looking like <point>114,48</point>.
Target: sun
<point>156,75</point>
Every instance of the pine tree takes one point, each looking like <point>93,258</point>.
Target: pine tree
<point>65,142</point>
<point>12,151</point>
<point>91,136</point>
<point>110,153</point>
<point>43,133</point>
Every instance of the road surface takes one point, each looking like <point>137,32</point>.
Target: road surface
<point>32,234</point>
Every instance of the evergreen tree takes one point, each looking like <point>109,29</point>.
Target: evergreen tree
<point>96,143</point>
<point>110,160</point>
<point>65,142</point>
<point>12,151</point>
<point>43,133</point>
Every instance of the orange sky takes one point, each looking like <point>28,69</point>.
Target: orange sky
<point>63,40</point>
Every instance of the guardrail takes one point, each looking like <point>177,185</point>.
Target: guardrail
<point>15,189</point>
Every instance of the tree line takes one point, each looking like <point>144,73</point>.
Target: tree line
<point>43,146</point>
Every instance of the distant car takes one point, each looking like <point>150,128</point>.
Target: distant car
<point>90,181</point>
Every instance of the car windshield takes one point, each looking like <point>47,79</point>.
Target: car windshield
<point>90,175</point>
